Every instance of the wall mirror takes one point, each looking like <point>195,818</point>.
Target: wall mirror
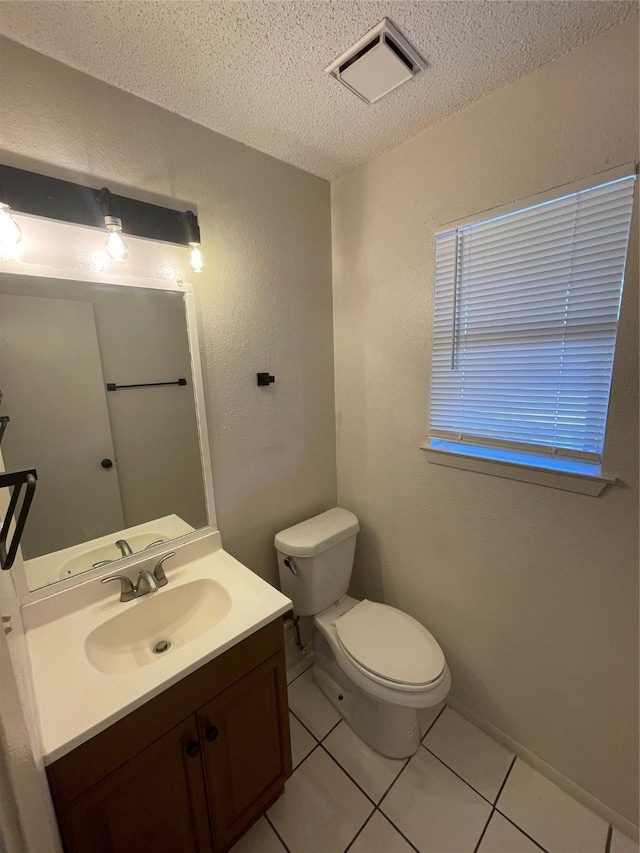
<point>102,387</point>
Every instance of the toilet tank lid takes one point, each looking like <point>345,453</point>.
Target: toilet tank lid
<point>316,534</point>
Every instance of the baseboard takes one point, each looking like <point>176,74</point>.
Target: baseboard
<point>621,823</point>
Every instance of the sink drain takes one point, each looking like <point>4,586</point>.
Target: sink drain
<point>161,646</point>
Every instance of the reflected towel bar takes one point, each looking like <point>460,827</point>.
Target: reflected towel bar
<point>111,386</point>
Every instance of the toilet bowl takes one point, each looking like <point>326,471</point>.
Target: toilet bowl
<point>376,664</point>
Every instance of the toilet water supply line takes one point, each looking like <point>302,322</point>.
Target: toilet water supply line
<point>294,621</point>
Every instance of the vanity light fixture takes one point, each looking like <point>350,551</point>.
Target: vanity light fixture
<point>196,259</point>
<point>115,246</point>
<point>64,201</point>
<point>10,234</point>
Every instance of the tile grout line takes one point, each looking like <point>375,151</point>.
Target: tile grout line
<point>311,751</point>
<point>504,781</point>
<point>280,838</point>
<point>482,834</point>
<point>439,714</point>
<point>346,773</point>
<point>513,823</point>
<point>493,808</point>
<point>333,727</point>
<point>386,793</point>
<point>306,669</point>
<point>393,781</point>
<point>461,778</point>
<point>317,742</point>
<point>431,725</point>
<point>351,843</point>
<point>607,846</point>
<point>397,828</point>
<point>306,728</point>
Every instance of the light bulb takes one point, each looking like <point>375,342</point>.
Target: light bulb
<point>115,246</point>
<point>196,261</point>
<point>10,234</point>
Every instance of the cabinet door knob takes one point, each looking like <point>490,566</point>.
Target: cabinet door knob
<point>107,463</point>
<point>193,748</point>
<point>211,733</point>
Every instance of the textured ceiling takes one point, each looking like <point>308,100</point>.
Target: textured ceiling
<point>254,70</point>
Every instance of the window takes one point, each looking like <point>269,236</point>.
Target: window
<point>525,320</point>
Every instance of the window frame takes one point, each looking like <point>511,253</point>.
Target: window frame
<point>486,459</point>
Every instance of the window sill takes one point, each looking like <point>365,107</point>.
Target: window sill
<point>569,481</point>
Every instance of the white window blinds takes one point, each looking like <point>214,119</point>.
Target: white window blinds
<point>526,315</point>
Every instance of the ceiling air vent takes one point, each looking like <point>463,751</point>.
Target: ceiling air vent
<point>381,61</point>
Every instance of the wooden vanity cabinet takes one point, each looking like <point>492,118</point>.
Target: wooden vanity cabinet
<point>243,760</point>
<point>155,801</point>
<point>191,769</point>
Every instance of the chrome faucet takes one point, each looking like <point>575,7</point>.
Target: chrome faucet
<point>147,581</point>
<point>125,549</point>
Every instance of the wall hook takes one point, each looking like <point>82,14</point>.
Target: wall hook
<point>265,378</point>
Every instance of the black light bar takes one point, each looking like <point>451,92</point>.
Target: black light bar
<point>39,195</point>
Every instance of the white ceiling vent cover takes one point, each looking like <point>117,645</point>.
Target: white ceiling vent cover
<point>378,63</point>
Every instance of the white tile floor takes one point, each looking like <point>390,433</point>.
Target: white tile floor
<point>461,793</point>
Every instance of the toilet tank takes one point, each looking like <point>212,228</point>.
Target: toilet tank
<point>319,559</point>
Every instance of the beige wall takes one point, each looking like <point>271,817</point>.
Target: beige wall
<point>264,298</point>
<point>532,592</point>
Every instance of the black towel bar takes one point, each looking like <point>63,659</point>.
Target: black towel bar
<point>111,386</point>
<point>15,480</point>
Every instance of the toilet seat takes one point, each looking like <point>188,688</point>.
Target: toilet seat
<point>389,646</point>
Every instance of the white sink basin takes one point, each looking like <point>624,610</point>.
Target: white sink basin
<point>126,642</point>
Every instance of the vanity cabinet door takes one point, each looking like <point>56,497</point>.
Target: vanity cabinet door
<point>154,803</point>
<point>247,756</point>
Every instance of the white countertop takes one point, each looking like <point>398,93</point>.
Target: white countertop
<point>75,701</point>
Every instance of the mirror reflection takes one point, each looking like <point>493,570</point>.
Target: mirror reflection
<point>97,382</point>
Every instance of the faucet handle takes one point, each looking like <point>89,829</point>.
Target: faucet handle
<point>127,589</point>
<point>158,572</point>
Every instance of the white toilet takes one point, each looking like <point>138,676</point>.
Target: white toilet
<point>376,664</point>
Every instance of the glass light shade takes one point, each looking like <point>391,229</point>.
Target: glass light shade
<point>116,247</point>
<point>196,260</point>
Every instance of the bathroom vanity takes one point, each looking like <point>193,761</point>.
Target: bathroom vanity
<point>188,770</point>
<point>178,751</point>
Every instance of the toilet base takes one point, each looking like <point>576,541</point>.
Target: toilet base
<point>392,730</point>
